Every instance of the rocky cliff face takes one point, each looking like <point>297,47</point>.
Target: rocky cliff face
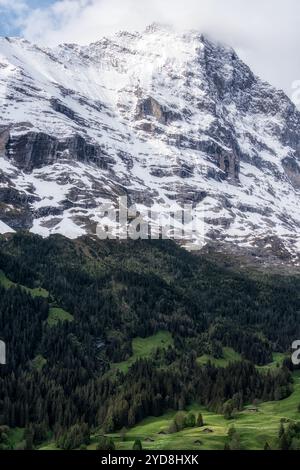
<point>37,149</point>
<point>158,116</point>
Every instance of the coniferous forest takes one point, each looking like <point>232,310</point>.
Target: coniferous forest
<point>69,311</point>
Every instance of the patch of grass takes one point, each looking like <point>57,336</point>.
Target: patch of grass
<point>39,362</point>
<point>278,359</point>
<point>144,348</point>
<point>49,446</point>
<point>153,432</point>
<point>36,292</point>
<point>4,281</point>
<point>229,355</point>
<point>57,315</point>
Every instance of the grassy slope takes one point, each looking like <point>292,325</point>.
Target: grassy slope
<point>255,428</point>
<point>278,358</point>
<point>37,292</point>
<point>57,315</point>
<point>144,347</point>
<point>229,355</point>
<point>39,362</point>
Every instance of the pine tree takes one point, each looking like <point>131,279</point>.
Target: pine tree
<point>109,422</point>
<point>172,428</point>
<point>190,420</point>
<point>137,445</point>
<point>200,422</point>
<point>179,420</point>
<point>123,434</point>
<point>231,432</point>
<point>106,443</point>
<point>281,431</point>
<point>29,437</point>
<point>228,409</point>
<point>283,442</point>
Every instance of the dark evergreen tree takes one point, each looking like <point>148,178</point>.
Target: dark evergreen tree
<point>200,422</point>
<point>106,443</point>
<point>190,420</point>
<point>137,445</point>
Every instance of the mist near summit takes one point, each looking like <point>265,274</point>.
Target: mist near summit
<point>265,33</point>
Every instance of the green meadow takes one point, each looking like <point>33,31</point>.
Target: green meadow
<point>278,358</point>
<point>39,362</point>
<point>255,427</point>
<point>57,315</point>
<point>144,347</point>
<point>36,292</point>
<point>229,355</point>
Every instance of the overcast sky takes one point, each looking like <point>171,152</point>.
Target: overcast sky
<point>265,33</point>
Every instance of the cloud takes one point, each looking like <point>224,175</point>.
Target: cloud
<point>9,15</point>
<point>264,32</point>
<point>16,5</point>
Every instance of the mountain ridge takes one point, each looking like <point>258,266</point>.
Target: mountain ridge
<point>159,116</point>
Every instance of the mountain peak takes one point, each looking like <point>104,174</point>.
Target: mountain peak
<point>162,118</point>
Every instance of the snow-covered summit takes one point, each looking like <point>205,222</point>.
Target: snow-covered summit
<point>160,116</point>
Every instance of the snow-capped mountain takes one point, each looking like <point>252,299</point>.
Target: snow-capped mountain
<point>158,116</point>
